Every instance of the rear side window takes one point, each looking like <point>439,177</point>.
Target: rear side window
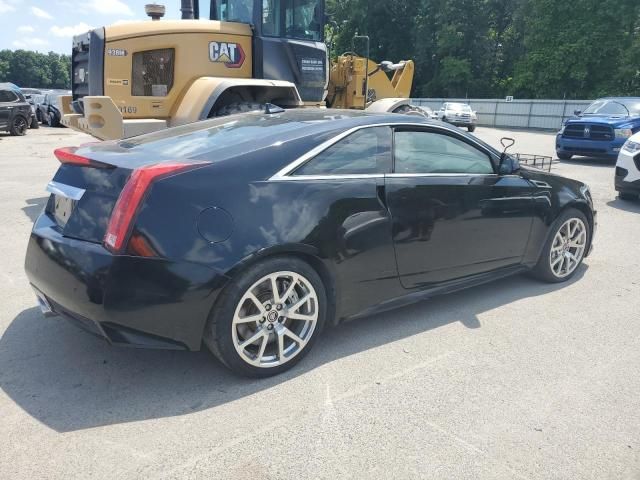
<point>152,74</point>
<point>7,96</point>
<point>430,152</point>
<point>367,151</point>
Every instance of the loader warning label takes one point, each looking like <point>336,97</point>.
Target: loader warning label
<point>313,70</point>
<point>117,81</point>
<point>231,54</point>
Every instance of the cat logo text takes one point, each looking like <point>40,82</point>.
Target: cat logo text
<point>231,54</point>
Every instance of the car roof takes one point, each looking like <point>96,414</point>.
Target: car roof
<point>236,135</point>
<point>9,86</point>
<point>299,122</point>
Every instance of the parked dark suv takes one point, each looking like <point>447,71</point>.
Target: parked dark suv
<point>15,111</point>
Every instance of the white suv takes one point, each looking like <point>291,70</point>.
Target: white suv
<point>628,169</point>
<point>458,114</point>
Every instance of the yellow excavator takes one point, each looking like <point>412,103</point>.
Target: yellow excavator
<point>139,77</point>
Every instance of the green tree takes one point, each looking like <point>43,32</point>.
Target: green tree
<point>32,69</point>
<point>576,49</point>
<point>60,67</point>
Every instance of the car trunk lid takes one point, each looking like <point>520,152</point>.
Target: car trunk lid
<point>86,187</point>
<point>82,198</point>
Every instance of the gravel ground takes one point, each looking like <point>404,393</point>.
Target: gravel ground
<point>515,379</point>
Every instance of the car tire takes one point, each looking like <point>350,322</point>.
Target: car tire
<point>564,250</point>
<point>564,156</point>
<point>54,121</point>
<point>628,196</point>
<point>19,126</point>
<point>281,340</point>
<point>471,128</point>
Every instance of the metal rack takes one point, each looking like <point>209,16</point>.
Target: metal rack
<point>542,162</point>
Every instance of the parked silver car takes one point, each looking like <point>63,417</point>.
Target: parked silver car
<point>459,114</point>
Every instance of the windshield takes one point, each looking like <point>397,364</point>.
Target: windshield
<point>235,11</point>
<point>461,107</point>
<point>613,107</point>
<point>300,19</point>
<point>303,19</point>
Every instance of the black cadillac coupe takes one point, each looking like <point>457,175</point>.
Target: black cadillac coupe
<point>252,233</point>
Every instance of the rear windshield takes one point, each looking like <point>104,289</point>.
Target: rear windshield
<point>215,134</point>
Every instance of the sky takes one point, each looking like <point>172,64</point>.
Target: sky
<point>47,26</point>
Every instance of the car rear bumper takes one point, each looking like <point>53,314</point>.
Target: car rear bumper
<point>588,148</point>
<point>133,301</point>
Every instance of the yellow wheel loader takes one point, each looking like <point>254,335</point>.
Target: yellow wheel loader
<point>139,77</point>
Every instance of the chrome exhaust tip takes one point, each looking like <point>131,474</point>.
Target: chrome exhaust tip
<point>43,303</point>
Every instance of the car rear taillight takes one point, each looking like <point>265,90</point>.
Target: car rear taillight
<point>131,198</point>
<point>68,155</point>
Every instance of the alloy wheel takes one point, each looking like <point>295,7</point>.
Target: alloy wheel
<point>20,125</point>
<point>568,247</point>
<point>275,319</point>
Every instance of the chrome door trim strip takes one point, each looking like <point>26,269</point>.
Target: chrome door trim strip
<point>350,176</point>
<point>67,191</point>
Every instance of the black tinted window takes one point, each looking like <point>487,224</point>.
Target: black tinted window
<point>7,96</point>
<point>271,14</point>
<point>428,152</point>
<point>235,11</point>
<point>303,19</point>
<point>366,151</point>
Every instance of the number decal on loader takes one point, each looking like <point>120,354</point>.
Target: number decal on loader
<point>126,109</point>
<point>116,52</point>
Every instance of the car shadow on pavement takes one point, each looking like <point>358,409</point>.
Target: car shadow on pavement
<point>34,207</point>
<point>626,205</point>
<point>70,380</point>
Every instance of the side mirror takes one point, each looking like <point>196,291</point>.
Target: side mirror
<point>508,165</point>
<point>577,112</point>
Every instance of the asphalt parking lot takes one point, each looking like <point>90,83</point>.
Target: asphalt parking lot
<point>514,379</point>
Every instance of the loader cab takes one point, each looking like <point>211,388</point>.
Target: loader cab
<point>288,41</point>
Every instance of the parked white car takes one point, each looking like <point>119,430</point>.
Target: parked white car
<point>429,113</point>
<point>458,114</point>
<point>628,169</point>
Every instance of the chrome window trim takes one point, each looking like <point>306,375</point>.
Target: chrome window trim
<point>346,176</point>
<point>411,175</point>
<point>67,191</point>
<point>286,172</point>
